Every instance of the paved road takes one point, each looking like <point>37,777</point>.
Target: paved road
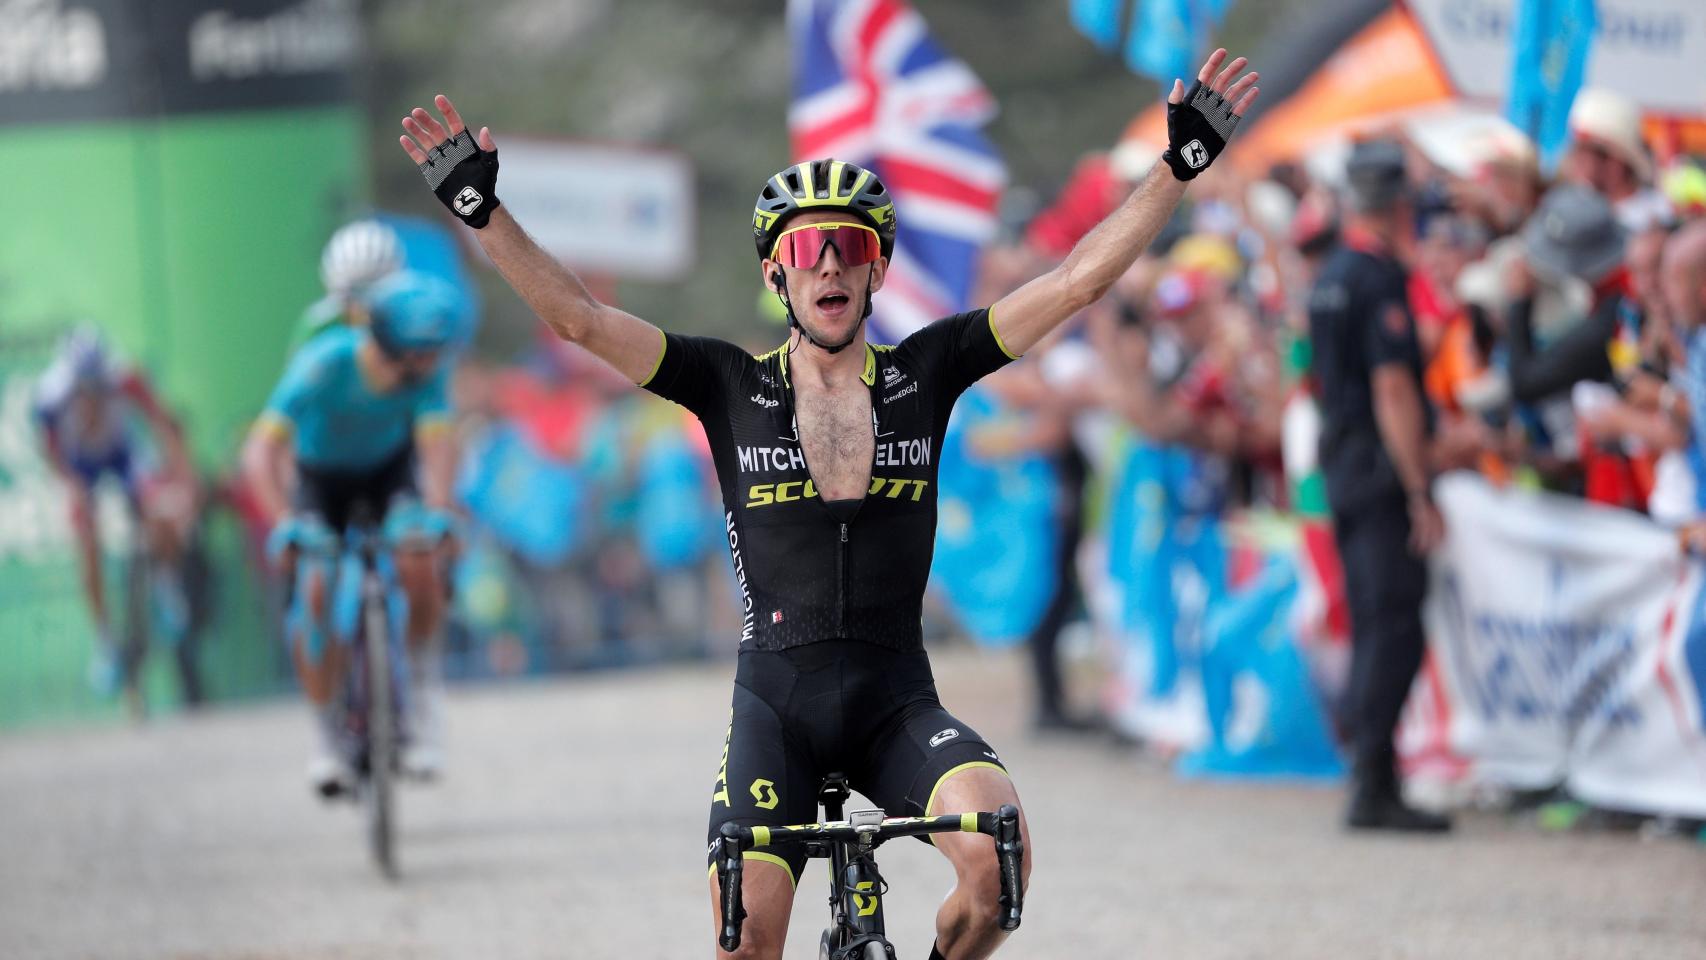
<point>573,825</point>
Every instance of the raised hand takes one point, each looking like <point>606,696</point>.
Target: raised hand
<point>1201,120</point>
<point>460,170</point>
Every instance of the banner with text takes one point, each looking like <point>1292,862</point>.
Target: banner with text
<point>1568,645</point>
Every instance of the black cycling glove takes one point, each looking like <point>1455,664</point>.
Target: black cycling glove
<point>464,177</point>
<point>1197,130</point>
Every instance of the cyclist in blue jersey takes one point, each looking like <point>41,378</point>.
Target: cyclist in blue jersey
<point>94,415</point>
<point>364,413</point>
<point>825,450</point>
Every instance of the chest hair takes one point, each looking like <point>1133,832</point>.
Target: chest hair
<point>835,435</point>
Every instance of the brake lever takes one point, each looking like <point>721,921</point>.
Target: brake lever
<point>1010,851</point>
<point>730,866</point>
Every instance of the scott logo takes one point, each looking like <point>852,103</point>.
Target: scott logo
<point>867,905</point>
<point>467,201</point>
<point>1195,154</point>
<point>764,794</point>
<point>944,737</point>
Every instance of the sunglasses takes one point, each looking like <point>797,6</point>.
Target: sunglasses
<point>802,247</point>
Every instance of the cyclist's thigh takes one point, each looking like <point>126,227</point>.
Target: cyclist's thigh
<point>764,778</point>
<point>919,747</point>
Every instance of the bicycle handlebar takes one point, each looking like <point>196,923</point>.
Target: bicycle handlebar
<point>1002,826</point>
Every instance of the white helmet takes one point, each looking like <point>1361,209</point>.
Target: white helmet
<point>359,254</point>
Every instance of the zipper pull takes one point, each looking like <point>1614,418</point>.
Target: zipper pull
<point>844,533</point>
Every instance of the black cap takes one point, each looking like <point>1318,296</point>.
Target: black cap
<point>1374,174</point>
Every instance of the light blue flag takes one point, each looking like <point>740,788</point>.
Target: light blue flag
<point>1552,40</point>
<point>1099,20</point>
<point>1168,36</point>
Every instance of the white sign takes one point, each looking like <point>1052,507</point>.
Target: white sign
<point>1652,51</point>
<point>613,210</point>
<point>1570,646</point>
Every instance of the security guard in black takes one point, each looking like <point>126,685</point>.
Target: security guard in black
<point>1362,335</point>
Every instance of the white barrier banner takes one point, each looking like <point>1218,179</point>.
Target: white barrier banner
<point>1647,50</point>
<point>1569,644</point>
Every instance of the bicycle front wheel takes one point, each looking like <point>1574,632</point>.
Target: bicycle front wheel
<point>381,732</point>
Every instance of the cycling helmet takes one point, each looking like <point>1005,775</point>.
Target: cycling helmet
<point>85,357</point>
<point>358,255</point>
<point>414,313</point>
<point>822,184</point>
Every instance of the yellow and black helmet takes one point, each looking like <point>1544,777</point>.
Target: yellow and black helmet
<point>827,184</point>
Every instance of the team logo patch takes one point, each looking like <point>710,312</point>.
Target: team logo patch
<point>775,616</point>
<point>944,737</point>
<point>468,201</point>
<point>1396,321</point>
<point>1195,154</point>
<point>764,794</point>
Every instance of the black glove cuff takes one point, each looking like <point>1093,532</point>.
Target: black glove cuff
<point>464,178</point>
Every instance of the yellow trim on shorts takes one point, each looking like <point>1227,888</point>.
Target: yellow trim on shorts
<point>662,348</point>
<point>931,803</point>
<point>998,341</point>
<point>767,858</point>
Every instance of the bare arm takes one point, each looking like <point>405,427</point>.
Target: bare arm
<point>435,451</point>
<point>1026,315</point>
<point>1403,426</point>
<point>266,463</point>
<point>554,293</point>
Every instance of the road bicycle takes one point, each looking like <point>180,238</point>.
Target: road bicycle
<point>158,609</point>
<point>368,610</point>
<point>856,888</point>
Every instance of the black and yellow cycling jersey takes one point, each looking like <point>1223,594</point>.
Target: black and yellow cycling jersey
<point>813,570</point>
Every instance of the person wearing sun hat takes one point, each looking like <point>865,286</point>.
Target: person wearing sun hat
<point>1573,373</point>
<point>1608,154</point>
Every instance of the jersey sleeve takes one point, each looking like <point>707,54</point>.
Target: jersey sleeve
<point>958,351</point>
<point>1389,332</point>
<point>290,398</point>
<point>695,371</point>
<point>432,406</point>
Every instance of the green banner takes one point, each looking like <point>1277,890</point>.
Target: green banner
<point>176,167</point>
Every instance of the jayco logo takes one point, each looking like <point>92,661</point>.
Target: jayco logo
<point>764,401</point>
<point>47,46</point>
<point>468,201</point>
<point>1195,154</point>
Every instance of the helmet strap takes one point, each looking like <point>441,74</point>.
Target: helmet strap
<point>794,322</point>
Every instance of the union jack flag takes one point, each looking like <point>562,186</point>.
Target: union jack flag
<point>871,86</point>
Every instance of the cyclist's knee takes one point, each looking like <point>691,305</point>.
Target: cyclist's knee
<point>316,589</point>
<point>417,571</point>
<point>82,509</point>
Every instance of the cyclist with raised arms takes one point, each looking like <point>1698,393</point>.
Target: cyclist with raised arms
<point>826,450</point>
<point>365,415</point>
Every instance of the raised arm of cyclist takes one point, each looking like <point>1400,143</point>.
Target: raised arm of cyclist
<point>624,341</point>
<point>1200,121</point>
